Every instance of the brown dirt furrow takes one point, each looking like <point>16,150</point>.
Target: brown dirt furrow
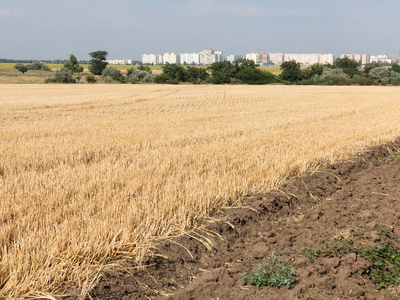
<point>360,194</point>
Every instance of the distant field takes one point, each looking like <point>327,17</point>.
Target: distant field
<point>89,173</point>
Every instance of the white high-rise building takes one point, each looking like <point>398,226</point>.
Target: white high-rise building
<point>232,58</point>
<point>190,58</point>
<point>364,59</point>
<point>160,60</point>
<point>303,59</point>
<point>171,58</point>
<point>254,57</point>
<point>276,58</point>
<point>149,59</point>
<point>208,59</point>
<point>210,56</point>
<point>308,59</point>
<point>380,59</point>
<point>326,58</point>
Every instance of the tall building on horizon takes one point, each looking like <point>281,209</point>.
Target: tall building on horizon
<point>364,58</point>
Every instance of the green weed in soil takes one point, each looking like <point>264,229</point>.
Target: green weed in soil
<point>380,252</point>
<point>274,272</point>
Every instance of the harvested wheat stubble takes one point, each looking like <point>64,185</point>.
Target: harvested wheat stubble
<point>89,174</point>
<point>356,195</point>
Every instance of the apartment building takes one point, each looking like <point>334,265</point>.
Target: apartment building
<point>210,56</point>
<point>275,58</point>
<point>326,58</point>
<point>171,58</point>
<point>190,58</point>
<point>160,59</point>
<point>149,59</point>
<point>380,59</point>
<point>364,59</point>
<point>232,58</point>
<point>254,57</point>
<point>126,61</point>
<point>303,59</point>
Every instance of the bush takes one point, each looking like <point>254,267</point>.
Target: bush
<point>380,75</point>
<point>364,81</point>
<point>162,78</point>
<point>38,66</point>
<point>111,72</point>
<point>137,75</point>
<point>328,73</point>
<point>63,76</point>
<point>91,79</point>
<point>108,79</point>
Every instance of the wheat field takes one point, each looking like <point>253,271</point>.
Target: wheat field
<point>92,173</point>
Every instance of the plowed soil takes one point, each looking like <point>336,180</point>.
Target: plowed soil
<point>336,202</point>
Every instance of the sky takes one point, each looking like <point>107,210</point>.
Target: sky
<point>54,29</point>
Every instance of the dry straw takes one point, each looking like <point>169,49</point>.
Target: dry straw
<point>92,173</point>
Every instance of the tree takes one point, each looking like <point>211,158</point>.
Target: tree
<point>23,69</point>
<point>242,63</point>
<point>98,62</point>
<point>196,75</point>
<point>73,65</point>
<point>395,68</point>
<point>175,72</point>
<point>349,66</point>
<point>291,71</point>
<point>222,72</point>
<point>346,62</point>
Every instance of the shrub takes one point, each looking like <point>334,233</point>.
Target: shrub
<point>137,75</point>
<point>111,72</point>
<point>328,73</point>
<point>380,74</point>
<point>63,76</point>
<point>162,78</point>
<point>108,79</point>
<point>91,79</point>
<point>38,66</point>
<point>255,76</point>
<point>364,81</point>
